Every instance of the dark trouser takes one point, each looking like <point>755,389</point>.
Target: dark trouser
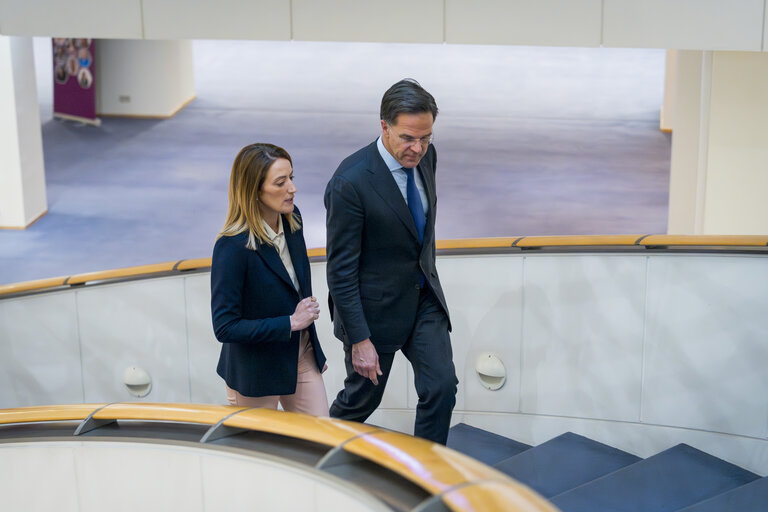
<point>429,351</point>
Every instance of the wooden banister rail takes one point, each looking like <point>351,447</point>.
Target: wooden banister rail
<point>462,483</point>
<point>598,242</point>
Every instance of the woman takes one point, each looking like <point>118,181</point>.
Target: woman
<point>261,293</point>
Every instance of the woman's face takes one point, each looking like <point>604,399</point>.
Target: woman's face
<point>276,194</point>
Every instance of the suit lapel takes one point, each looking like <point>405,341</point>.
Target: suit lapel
<point>428,178</point>
<point>272,259</point>
<point>385,186</point>
<point>299,258</point>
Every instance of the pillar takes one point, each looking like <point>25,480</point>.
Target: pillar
<point>719,166</point>
<point>22,172</point>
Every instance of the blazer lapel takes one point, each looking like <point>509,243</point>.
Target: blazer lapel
<point>299,259</point>
<point>272,259</point>
<point>386,187</point>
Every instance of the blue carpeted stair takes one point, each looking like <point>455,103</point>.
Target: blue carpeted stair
<point>666,482</point>
<point>483,445</point>
<point>565,462</point>
<point>581,475</point>
<point>752,497</point>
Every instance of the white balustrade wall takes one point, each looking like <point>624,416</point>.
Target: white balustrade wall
<point>640,351</point>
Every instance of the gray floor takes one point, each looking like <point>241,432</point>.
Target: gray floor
<point>530,141</point>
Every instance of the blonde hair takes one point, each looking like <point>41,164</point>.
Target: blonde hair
<point>249,171</point>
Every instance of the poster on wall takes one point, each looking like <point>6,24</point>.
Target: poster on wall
<point>74,93</point>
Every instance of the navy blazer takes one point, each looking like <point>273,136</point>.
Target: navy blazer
<point>375,260</point>
<point>252,298</point>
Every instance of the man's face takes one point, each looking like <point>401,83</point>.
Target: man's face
<point>407,139</point>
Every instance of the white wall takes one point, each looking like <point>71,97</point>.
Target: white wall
<point>143,78</point>
<point>681,24</point>
<point>638,351</point>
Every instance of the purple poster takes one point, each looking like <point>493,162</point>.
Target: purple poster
<point>74,94</point>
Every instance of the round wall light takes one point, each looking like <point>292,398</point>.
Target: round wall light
<point>491,370</point>
<point>138,381</point>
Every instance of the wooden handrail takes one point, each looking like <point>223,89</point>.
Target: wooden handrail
<point>496,496</point>
<point>523,242</point>
<point>462,482</point>
<point>48,413</point>
<point>325,431</point>
<point>184,413</point>
<point>431,466</point>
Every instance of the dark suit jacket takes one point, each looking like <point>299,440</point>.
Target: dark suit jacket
<point>252,298</point>
<point>374,256</point>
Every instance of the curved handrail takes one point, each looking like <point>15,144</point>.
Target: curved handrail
<point>449,245</point>
<point>460,481</point>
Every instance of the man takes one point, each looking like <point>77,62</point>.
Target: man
<point>385,294</point>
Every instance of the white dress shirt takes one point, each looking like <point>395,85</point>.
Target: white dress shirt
<point>401,178</point>
<point>282,249</point>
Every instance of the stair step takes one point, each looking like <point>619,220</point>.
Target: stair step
<point>483,445</point>
<point>675,478</point>
<point>752,497</point>
<point>564,462</point>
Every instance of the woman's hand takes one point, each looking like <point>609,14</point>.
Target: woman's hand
<point>307,311</point>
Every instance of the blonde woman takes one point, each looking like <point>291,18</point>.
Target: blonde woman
<point>261,293</point>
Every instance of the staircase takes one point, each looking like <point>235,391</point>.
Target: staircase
<point>578,474</point>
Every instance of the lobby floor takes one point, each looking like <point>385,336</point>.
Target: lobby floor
<point>530,140</point>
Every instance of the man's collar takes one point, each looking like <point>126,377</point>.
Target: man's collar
<point>392,163</point>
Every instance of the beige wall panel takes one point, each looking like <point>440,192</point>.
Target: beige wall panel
<point>688,161</point>
<point>525,22</point>
<point>684,24</point>
<point>400,21</point>
<point>76,18</point>
<point>737,176</point>
<point>225,19</point>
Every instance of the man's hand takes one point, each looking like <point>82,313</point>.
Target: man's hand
<point>365,360</point>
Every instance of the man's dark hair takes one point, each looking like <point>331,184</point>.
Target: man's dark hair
<point>406,97</point>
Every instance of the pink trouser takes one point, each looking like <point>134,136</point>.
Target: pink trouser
<point>309,397</point>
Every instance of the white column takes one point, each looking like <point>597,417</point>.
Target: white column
<point>719,167</point>
<point>22,172</point>
<point>737,164</point>
<point>143,78</point>
<point>667,118</point>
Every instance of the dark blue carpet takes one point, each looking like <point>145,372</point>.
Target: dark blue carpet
<point>483,445</point>
<point>752,497</point>
<point>668,481</point>
<point>565,462</point>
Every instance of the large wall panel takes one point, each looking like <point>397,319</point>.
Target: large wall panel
<point>224,19</point>
<point>399,21</point>
<point>684,24</point>
<point>75,18</point>
<point>39,351</point>
<point>705,330</point>
<point>205,385</point>
<point>583,336</point>
<point>135,324</point>
<point>485,318</point>
<point>524,22</point>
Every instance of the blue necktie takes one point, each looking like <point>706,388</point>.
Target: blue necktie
<point>417,210</point>
<point>414,203</point>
